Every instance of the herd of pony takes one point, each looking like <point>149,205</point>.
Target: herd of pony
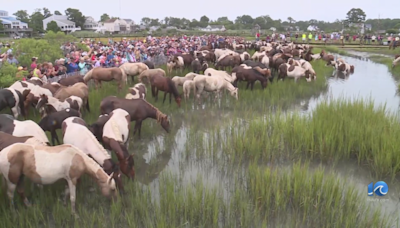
<point>26,150</point>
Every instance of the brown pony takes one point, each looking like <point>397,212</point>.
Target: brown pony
<point>71,80</point>
<point>138,109</point>
<point>158,81</point>
<point>53,87</point>
<point>106,74</point>
<point>79,89</point>
<point>327,58</point>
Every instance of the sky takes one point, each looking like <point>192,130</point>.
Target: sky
<point>136,10</point>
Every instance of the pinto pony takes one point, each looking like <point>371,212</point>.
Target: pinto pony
<point>79,89</point>
<point>46,165</point>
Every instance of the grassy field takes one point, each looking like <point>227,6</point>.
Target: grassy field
<point>245,141</point>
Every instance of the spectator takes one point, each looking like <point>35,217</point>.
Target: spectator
<point>12,60</point>
<point>34,63</point>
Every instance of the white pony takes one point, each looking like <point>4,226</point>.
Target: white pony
<point>187,86</point>
<point>133,69</point>
<point>35,90</point>
<point>178,81</point>
<point>307,66</point>
<point>27,128</point>
<point>220,73</point>
<point>73,102</point>
<point>396,62</point>
<point>213,84</point>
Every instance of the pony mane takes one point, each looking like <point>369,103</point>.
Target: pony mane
<point>159,114</point>
<point>173,88</point>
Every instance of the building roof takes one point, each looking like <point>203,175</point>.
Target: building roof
<point>67,22</point>
<point>9,18</point>
<point>217,26</point>
<point>111,20</point>
<point>128,20</point>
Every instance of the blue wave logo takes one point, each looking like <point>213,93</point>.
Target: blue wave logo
<point>380,188</point>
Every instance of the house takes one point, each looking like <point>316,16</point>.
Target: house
<point>62,22</point>
<point>14,27</point>
<point>214,28</point>
<point>130,25</point>
<point>91,24</point>
<point>153,28</point>
<point>116,25</point>
<point>312,28</point>
<point>272,29</point>
<point>361,27</point>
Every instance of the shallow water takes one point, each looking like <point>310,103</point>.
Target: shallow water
<point>180,158</point>
<point>369,81</point>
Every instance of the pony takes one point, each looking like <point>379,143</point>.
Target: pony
<point>76,133</point>
<point>213,84</point>
<point>139,90</point>
<point>79,89</point>
<point>327,58</point>
<point>133,69</point>
<point>115,134</point>
<point>187,86</point>
<point>178,81</point>
<point>22,128</point>
<point>14,100</point>
<point>292,71</point>
<point>396,61</point>
<point>158,81</point>
<point>7,140</point>
<point>221,74</point>
<point>71,80</point>
<point>53,121</point>
<point>138,109</point>
<point>53,87</point>
<point>100,74</point>
<point>251,75</point>
<point>46,165</point>
<point>54,105</point>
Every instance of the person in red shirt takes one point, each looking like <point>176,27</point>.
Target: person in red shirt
<point>258,36</point>
<point>33,64</point>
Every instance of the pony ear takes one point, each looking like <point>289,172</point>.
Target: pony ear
<point>110,178</point>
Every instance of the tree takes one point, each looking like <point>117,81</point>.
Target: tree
<point>245,21</point>
<point>204,20</point>
<point>46,12</point>
<point>355,15</point>
<point>57,12</point>
<point>7,74</point>
<point>52,26</point>
<point>291,20</point>
<point>145,21</point>
<point>76,16</point>
<point>1,26</point>
<point>104,17</point>
<point>36,21</point>
<point>22,15</point>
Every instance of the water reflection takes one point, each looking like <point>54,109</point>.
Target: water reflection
<point>369,81</point>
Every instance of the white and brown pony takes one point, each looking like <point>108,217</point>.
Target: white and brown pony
<point>53,104</point>
<point>79,89</point>
<point>22,128</point>
<point>76,133</point>
<point>291,71</point>
<point>45,165</point>
<point>139,90</point>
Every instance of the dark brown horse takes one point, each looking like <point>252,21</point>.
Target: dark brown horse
<point>251,75</point>
<point>159,82</point>
<point>138,109</point>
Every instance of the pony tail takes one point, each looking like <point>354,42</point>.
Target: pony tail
<point>88,76</point>
<point>124,76</point>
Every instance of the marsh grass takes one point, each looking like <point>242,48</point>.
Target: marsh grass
<point>255,196</point>
<point>388,62</point>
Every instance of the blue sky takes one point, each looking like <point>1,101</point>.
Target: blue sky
<point>297,9</point>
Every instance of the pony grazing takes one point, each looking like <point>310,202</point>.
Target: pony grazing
<point>139,90</point>
<point>213,84</point>
<point>79,89</point>
<point>327,58</point>
<point>115,134</point>
<point>396,61</point>
<point>22,128</point>
<point>54,105</point>
<point>76,133</point>
<point>251,75</point>
<point>14,100</point>
<point>138,109</point>
<point>46,165</point>
<point>178,81</point>
<point>100,74</point>
<point>133,69</point>
<point>53,121</point>
<point>7,140</point>
<point>159,82</point>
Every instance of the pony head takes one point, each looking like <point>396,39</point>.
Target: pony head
<point>43,99</point>
<point>165,123</point>
<point>127,164</point>
<point>109,189</point>
<point>235,93</point>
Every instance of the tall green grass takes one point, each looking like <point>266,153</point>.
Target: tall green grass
<point>388,62</point>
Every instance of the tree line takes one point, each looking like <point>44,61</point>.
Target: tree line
<point>355,15</point>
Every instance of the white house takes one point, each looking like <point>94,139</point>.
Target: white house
<point>130,25</point>
<point>12,26</point>
<point>214,28</point>
<point>312,28</point>
<point>91,24</point>
<point>116,25</point>
<point>62,22</point>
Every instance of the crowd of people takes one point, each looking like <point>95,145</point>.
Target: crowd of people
<point>156,49</point>
<point>112,54</point>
